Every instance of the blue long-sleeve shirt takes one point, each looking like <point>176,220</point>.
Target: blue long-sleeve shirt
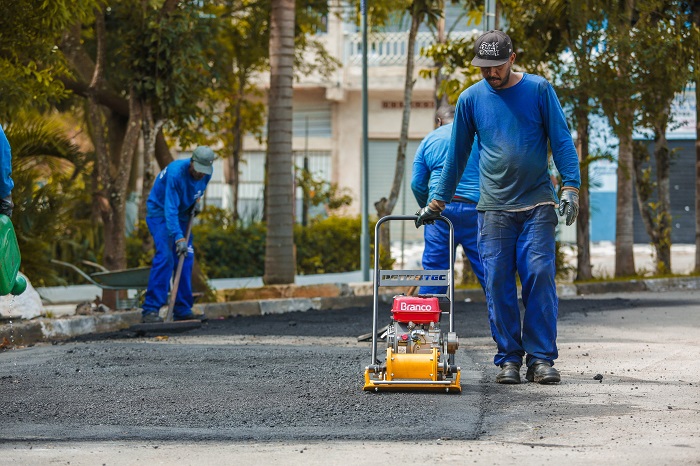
<point>172,195</point>
<point>427,167</point>
<point>6,183</point>
<point>513,126</point>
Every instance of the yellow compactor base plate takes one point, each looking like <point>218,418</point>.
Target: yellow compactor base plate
<point>411,372</point>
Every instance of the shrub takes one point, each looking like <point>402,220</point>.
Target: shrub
<point>227,249</point>
<point>332,245</point>
<point>328,246</point>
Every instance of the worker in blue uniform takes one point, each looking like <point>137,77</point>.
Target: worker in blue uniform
<point>6,183</point>
<point>427,168</point>
<point>174,195</point>
<point>516,116</point>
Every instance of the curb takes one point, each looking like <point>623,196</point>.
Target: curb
<point>50,330</point>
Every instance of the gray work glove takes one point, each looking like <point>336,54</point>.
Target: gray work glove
<point>6,206</point>
<point>426,216</point>
<point>568,204</point>
<point>181,247</point>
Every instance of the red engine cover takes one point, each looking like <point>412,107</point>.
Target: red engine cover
<point>415,309</point>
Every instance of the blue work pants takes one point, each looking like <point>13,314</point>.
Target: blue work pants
<point>522,242</point>
<point>436,254</point>
<point>163,269</point>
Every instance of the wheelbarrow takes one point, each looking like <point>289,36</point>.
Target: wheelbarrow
<point>124,279</point>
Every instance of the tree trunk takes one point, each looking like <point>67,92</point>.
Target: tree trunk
<point>662,155</point>
<point>440,100</point>
<point>114,155</point>
<point>624,218</point>
<point>232,179</point>
<point>656,215</point>
<point>150,129</point>
<point>280,262</point>
<point>114,218</point>
<point>697,167</point>
<point>386,206</point>
<point>583,233</point>
<point>696,65</point>
<point>234,162</point>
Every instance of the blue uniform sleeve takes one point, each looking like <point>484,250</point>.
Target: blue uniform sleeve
<point>563,150</point>
<point>421,176</point>
<point>460,147</point>
<point>6,183</point>
<point>171,209</point>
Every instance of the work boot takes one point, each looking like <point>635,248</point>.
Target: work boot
<point>191,316</point>
<point>510,373</point>
<point>151,318</point>
<point>541,371</point>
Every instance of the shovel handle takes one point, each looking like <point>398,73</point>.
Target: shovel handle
<point>178,273</point>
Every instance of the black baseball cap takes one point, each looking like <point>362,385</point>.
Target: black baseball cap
<point>492,48</point>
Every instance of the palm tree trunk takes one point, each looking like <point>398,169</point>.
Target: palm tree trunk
<point>280,263</point>
<point>624,218</point>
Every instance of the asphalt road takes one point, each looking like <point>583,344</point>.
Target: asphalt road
<point>286,389</point>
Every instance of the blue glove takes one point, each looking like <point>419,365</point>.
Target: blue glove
<point>181,247</point>
<point>568,205</point>
<point>426,216</point>
<point>6,206</point>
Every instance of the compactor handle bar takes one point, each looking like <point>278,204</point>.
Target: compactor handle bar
<point>377,272</point>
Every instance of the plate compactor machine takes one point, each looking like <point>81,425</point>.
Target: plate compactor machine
<point>419,352</point>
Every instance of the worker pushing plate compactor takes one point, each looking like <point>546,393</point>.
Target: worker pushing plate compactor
<point>419,352</point>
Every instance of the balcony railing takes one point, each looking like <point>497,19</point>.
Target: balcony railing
<point>389,48</point>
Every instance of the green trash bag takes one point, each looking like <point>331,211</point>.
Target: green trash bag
<point>11,282</point>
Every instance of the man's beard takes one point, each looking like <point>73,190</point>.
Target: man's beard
<point>501,82</point>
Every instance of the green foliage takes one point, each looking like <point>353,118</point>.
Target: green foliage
<point>233,105</point>
<point>309,20</point>
<point>29,64</point>
<point>332,245</point>
<point>393,11</point>
<point>51,214</point>
<point>238,51</point>
<point>328,246</point>
<point>228,249</point>
<point>453,58</point>
<point>320,192</point>
<point>163,56</point>
<point>139,247</point>
<point>664,40</point>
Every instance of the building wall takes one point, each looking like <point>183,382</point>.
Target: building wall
<point>682,181</point>
<point>384,124</point>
